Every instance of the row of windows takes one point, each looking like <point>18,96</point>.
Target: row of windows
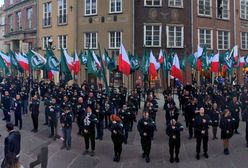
<point>18,18</point>
<point>175,37</point>
<point>90,40</point>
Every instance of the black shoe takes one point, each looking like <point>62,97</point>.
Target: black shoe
<point>177,159</point>
<point>45,124</point>
<point>118,158</point>
<point>92,153</point>
<point>197,157</point>
<point>143,155</point>
<point>236,132</point>
<point>97,138</point>
<point>68,148</point>
<point>50,136</point>
<point>85,152</point>
<point>171,159</point>
<point>206,155</point>
<point>247,145</point>
<point>62,147</point>
<point>147,159</point>
<point>4,119</point>
<point>54,138</point>
<point>100,139</point>
<point>115,158</point>
<point>35,131</point>
<point>190,137</point>
<point>32,130</point>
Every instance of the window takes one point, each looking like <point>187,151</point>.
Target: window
<point>204,7</point>
<point>223,9</point>
<point>205,38</point>
<point>244,9</point>
<point>115,39</point>
<point>244,40</point>
<point>90,7</point>
<point>62,11</point>
<point>176,3</point>
<point>47,12</point>
<point>175,36</point>
<point>10,19</point>
<point>90,40</point>
<point>223,40</point>
<point>62,41</point>
<point>115,6</point>
<point>45,42</point>
<point>153,2</point>
<point>30,45</point>
<point>152,35</point>
<point>10,2</point>
<point>29,18</point>
<point>18,21</point>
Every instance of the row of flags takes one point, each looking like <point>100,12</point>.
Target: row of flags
<point>126,63</point>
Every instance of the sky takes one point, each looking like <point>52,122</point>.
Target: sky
<point>1,2</point>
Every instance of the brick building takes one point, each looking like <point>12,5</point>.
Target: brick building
<point>20,24</point>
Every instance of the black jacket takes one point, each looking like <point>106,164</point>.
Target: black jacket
<point>89,123</point>
<point>12,143</point>
<point>148,129</point>
<point>34,107</point>
<point>174,132</point>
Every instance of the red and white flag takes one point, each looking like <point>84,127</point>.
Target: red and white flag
<point>69,60</point>
<point>96,60</point>
<point>104,59</point>
<point>235,53</point>
<point>175,69</point>
<point>124,63</point>
<point>23,61</point>
<point>6,59</point>
<point>51,74</point>
<point>154,65</point>
<point>76,63</point>
<point>242,62</point>
<point>161,57</point>
<point>215,63</point>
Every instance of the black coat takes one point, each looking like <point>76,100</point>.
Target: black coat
<point>148,129</point>
<point>12,143</point>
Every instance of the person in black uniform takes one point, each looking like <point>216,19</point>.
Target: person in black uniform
<point>53,115</point>
<point>235,111</point>
<point>99,112</point>
<point>227,127</point>
<point>124,114</point>
<point>202,123</point>
<point>18,111</point>
<point>47,101</point>
<point>191,113</point>
<point>34,108</point>
<point>146,127</point>
<point>89,124</point>
<point>6,102</point>
<point>171,113</point>
<point>81,107</point>
<point>215,118</point>
<point>66,124</point>
<point>244,103</point>
<point>108,110</point>
<point>117,135</point>
<point>12,143</point>
<point>173,131</point>
<point>74,100</point>
<point>24,98</point>
<point>246,127</point>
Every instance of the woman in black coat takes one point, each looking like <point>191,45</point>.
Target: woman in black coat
<point>227,127</point>
<point>215,118</point>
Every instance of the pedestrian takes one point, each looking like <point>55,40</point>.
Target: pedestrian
<point>11,162</point>
<point>53,115</point>
<point>235,108</point>
<point>117,136</point>
<point>34,108</point>
<point>215,118</point>
<point>202,123</point>
<point>89,125</point>
<point>18,111</point>
<point>6,102</point>
<point>146,127</point>
<point>227,127</point>
<point>66,124</point>
<point>12,143</point>
<point>80,112</point>
<point>173,131</point>
<point>99,112</point>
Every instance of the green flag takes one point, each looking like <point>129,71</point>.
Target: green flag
<point>192,61</point>
<point>111,65</point>
<point>134,62</point>
<point>92,67</point>
<point>52,63</point>
<point>83,58</point>
<point>145,63</point>
<point>36,61</point>
<point>4,66</point>
<point>14,63</point>
<point>183,62</point>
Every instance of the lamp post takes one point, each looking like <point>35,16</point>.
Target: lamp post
<point>50,43</point>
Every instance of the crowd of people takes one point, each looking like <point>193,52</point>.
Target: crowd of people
<point>94,110</point>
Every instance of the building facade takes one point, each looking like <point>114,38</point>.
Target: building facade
<point>107,23</point>
<point>2,29</point>
<point>57,22</point>
<point>20,25</point>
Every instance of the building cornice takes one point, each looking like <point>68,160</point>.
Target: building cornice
<point>18,6</point>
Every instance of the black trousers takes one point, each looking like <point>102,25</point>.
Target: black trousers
<point>18,118</point>
<point>89,138</point>
<point>246,135</point>
<point>191,125</point>
<point>236,124</point>
<point>174,145</point>
<point>117,147</point>
<point>199,139</point>
<point>146,143</point>
<point>35,118</point>
<point>53,125</point>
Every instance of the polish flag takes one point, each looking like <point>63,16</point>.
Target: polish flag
<point>242,62</point>
<point>175,69</point>
<point>234,53</point>
<point>124,63</point>
<point>76,63</point>
<point>96,60</point>
<point>69,60</point>
<point>104,59</point>
<point>6,59</point>
<point>198,62</point>
<point>215,63</point>
<point>51,74</point>
<point>23,61</point>
<point>154,65</point>
<point>161,57</point>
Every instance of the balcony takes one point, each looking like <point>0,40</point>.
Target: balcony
<point>47,22</point>
<point>62,20</point>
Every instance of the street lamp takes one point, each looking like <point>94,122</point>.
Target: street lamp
<point>50,43</point>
